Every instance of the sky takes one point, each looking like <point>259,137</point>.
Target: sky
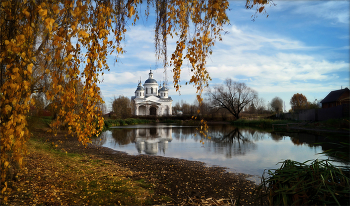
<point>301,47</point>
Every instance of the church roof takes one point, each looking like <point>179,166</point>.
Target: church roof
<point>139,88</point>
<point>150,81</point>
<point>163,89</point>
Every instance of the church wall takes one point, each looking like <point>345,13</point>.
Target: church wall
<point>142,110</point>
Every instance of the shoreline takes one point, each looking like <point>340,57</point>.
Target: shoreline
<point>181,180</point>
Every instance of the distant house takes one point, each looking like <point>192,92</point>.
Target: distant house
<point>336,97</point>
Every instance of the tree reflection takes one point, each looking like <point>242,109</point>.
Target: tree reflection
<point>231,142</point>
<point>184,133</point>
<point>100,140</point>
<point>123,136</point>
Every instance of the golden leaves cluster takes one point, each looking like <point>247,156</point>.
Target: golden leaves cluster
<point>196,24</point>
<point>59,48</point>
<point>64,43</point>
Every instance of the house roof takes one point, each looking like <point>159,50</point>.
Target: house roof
<point>334,95</point>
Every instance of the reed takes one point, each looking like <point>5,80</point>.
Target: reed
<point>295,183</point>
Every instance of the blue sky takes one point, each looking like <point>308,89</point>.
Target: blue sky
<point>302,47</point>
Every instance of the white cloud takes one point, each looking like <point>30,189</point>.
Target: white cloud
<point>338,11</point>
<point>119,78</point>
<point>269,66</point>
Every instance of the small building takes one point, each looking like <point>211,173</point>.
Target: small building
<point>151,99</point>
<point>336,97</point>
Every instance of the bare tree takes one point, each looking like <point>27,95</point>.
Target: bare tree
<point>277,104</point>
<point>232,96</point>
<point>259,104</point>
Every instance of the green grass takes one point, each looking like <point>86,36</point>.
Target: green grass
<point>317,183</point>
<point>261,123</point>
<point>122,122</point>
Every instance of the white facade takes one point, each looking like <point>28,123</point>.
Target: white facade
<point>152,142</point>
<point>151,99</point>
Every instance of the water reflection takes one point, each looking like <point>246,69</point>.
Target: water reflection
<point>231,143</point>
<point>239,149</point>
<point>152,140</point>
<point>224,139</point>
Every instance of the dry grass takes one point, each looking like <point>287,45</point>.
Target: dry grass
<point>53,177</point>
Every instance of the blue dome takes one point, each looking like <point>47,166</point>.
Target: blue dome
<point>163,89</point>
<point>139,88</point>
<point>150,81</point>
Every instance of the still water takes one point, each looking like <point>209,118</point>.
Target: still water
<point>239,150</point>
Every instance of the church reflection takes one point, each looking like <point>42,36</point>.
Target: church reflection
<point>152,140</point>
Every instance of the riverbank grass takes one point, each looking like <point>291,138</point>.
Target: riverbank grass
<point>52,176</point>
<point>317,183</point>
<point>260,123</point>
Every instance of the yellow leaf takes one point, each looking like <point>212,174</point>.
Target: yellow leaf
<point>29,68</point>
<point>83,34</point>
<point>6,163</point>
<point>48,23</point>
<point>7,42</point>
<point>20,160</point>
<point>47,71</point>
<point>15,70</point>
<point>131,11</point>
<point>8,108</point>
<point>43,12</point>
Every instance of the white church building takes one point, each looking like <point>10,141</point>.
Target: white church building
<point>151,99</point>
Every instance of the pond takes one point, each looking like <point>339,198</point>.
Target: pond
<point>240,150</point>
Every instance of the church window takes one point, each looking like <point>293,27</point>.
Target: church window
<point>151,90</point>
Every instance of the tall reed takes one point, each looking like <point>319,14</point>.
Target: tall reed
<point>295,183</point>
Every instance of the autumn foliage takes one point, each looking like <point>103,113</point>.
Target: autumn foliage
<point>59,49</point>
<point>298,101</point>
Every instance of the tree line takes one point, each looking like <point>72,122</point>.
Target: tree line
<point>231,98</point>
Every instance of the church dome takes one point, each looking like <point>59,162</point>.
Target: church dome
<point>163,89</point>
<point>139,87</point>
<point>151,81</point>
